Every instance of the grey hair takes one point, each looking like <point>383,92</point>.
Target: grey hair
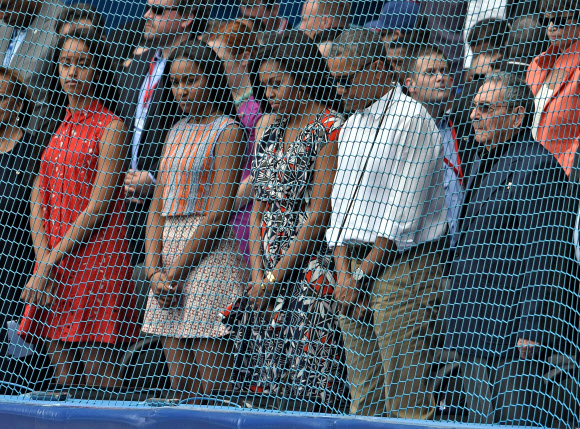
<point>356,43</point>
<point>516,93</point>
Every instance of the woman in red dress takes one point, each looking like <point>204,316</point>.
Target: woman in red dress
<point>81,300</point>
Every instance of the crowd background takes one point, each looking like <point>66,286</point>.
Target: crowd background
<point>365,208</point>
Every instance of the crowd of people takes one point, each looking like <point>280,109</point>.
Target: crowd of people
<point>380,220</point>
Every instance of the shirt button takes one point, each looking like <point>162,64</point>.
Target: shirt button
<point>18,172</point>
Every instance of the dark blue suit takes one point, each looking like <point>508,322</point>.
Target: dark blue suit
<point>506,278</point>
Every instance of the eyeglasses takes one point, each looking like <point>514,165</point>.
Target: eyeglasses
<point>487,108</point>
<point>160,10</point>
<point>559,21</point>
<point>345,81</point>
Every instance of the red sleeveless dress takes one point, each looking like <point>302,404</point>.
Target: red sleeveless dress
<point>95,299</point>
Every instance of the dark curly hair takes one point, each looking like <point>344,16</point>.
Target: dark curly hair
<point>300,57</point>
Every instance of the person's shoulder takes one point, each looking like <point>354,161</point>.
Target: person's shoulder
<point>534,161</point>
<point>267,120</point>
<point>331,119</point>
<point>227,122</point>
<point>408,108</point>
<point>104,117</point>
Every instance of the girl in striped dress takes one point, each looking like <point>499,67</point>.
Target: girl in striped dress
<point>193,261</point>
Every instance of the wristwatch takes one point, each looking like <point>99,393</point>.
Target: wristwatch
<point>358,275</point>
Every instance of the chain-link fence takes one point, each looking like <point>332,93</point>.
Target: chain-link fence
<point>368,215</point>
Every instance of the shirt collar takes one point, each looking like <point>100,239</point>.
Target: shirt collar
<point>81,115</point>
<point>158,55</point>
<point>443,123</point>
<point>569,58</point>
<point>378,107</point>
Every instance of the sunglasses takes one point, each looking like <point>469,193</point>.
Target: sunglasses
<point>160,10</point>
<point>345,81</point>
<point>559,21</point>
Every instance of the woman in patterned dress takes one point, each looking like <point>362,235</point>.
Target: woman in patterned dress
<point>80,299</point>
<point>193,260</point>
<point>288,342</point>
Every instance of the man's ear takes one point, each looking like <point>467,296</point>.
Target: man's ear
<point>409,84</point>
<point>520,114</point>
<point>246,58</point>
<point>186,22</point>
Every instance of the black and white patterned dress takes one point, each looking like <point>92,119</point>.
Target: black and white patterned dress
<point>298,352</point>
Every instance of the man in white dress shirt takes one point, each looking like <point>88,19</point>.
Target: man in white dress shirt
<point>388,217</point>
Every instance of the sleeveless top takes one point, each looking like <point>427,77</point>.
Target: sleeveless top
<point>187,166</point>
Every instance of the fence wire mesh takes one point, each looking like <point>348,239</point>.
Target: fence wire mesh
<point>341,212</point>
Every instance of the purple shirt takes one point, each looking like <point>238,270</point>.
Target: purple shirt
<point>248,114</point>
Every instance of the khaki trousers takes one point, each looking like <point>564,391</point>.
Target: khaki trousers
<point>388,358</point>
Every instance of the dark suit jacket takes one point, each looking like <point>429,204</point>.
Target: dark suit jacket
<point>507,279</point>
<point>123,40</point>
<point>163,113</point>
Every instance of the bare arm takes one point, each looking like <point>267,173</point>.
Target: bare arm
<point>154,238</point>
<point>244,193</point>
<point>256,262</point>
<point>38,233</point>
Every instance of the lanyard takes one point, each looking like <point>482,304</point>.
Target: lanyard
<point>455,167</point>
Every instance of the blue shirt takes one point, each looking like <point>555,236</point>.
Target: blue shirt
<point>15,42</point>
<point>454,193</point>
